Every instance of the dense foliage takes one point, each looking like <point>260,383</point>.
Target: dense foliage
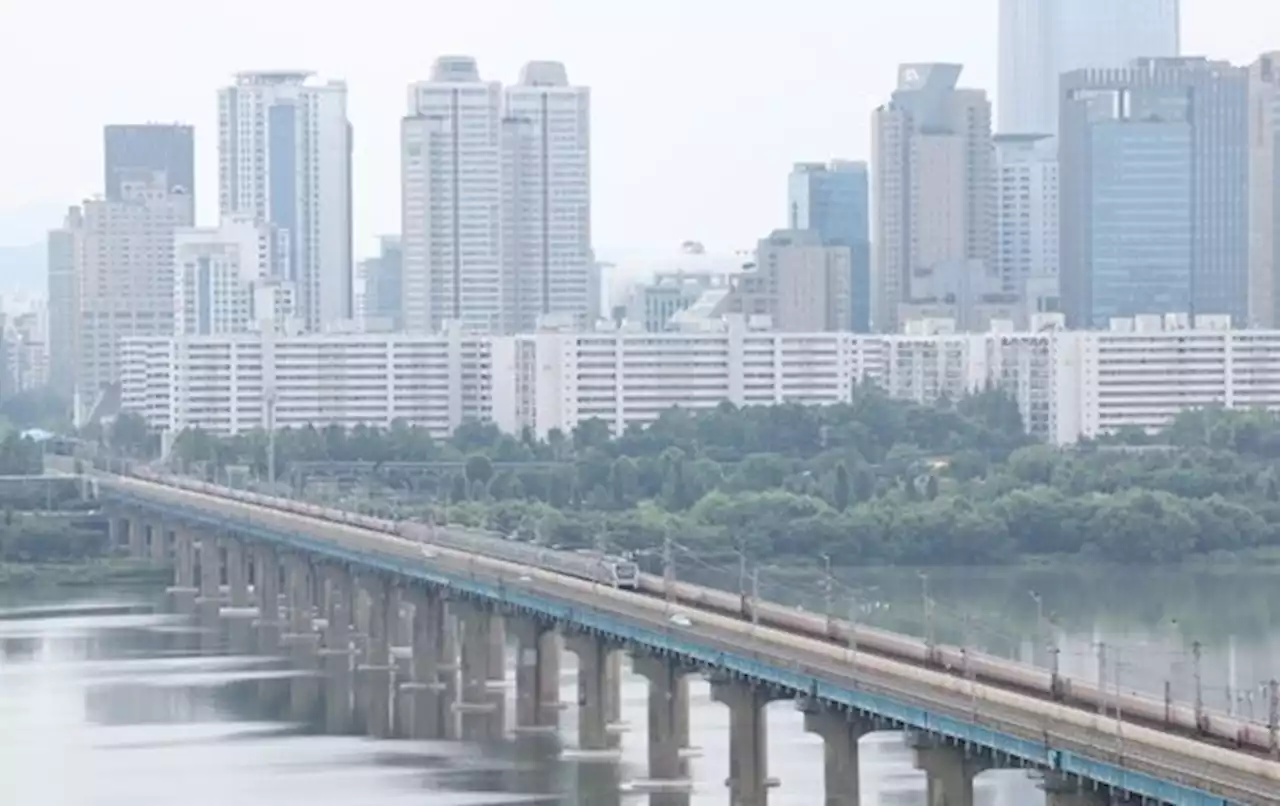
<point>20,456</point>
<point>875,480</point>
<point>27,539</point>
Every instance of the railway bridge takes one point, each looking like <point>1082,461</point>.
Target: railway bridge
<point>414,635</point>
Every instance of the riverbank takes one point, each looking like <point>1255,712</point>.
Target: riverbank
<point>110,572</point>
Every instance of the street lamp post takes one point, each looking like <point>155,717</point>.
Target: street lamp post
<point>927,607</point>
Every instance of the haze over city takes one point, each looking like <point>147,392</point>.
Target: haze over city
<point>698,108</point>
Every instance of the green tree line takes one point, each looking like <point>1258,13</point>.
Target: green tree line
<point>874,480</point>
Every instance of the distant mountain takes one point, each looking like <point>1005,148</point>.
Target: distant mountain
<point>23,270</point>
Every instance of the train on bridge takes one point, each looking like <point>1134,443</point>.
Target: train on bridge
<point>1261,739</point>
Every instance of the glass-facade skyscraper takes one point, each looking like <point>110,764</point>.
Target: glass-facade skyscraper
<point>1154,191</point>
<point>832,199</point>
<point>1042,39</point>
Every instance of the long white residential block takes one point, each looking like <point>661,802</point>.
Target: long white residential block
<point>1140,373</point>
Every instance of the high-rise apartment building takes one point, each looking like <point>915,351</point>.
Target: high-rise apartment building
<point>1042,39</point>
<point>799,281</point>
<point>1264,191</point>
<point>496,199</point>
<point>1026,224</point>
<point>223,280</point>
<point>124,267</point>
<point>546,195</point>
<point>1154,191</point>
<point>933,193</point>
<point>451,201</point>
<point>130,150</point>
<point>64,302</point>
<point>284,146</point>
<point>832,199</point>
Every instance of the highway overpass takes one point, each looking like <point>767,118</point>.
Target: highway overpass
<point>362,580</point>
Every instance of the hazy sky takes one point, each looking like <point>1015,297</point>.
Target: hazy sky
<point>700,106</point>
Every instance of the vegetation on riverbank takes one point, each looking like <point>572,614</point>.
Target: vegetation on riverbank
<point>89,573</point>
<point>871,481</point>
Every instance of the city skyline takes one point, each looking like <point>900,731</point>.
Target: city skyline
<point>632,95</point>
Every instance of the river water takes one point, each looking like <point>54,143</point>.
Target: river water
<point>109,709</point>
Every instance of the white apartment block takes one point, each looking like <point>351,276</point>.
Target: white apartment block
<point>223,280</point>
<point>546,188</point>
<point>232,383</point>
<point>284,157</point>
<point>451,202</point>
<point>1026,222</point>
<point>1068,384</point>
<point>124,275</point>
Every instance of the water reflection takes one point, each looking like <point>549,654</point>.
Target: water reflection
<point>147,708</point>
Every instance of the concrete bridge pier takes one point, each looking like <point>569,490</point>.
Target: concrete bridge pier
<point>595,682</point>
<point>117,533</point>
<point>668,707</point>
<point>1061,790</point>
<point>537,676</point>
<point>266,583</point>
<point>239,613</point>
<point>840,734</point>
<point>301,638</point>
<point>402,701</point>
<point>209,601</point>
<point>335,652</point>
<point>748,781</point>
<point>135,536</point>
<point>374,673</point>
<point>424,690</point>
<point>157,543</point>
<point>483,672</point>
<point>183,593</point>
<point>950,770</point>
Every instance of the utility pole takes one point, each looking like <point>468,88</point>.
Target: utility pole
<point>853,629</point>
<point>742,583</point>
<point>755,596</point>
<point>668,568</point>
<point>1195,654</point>
<point>828,590</point>
<point>1102,678</point>
<point>1273,717</point>
<point>927,607</point>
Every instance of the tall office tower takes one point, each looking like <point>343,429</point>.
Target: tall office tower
<point>64,302</point>
<point>1026,249</point>
<point>833,200</point>
<point>166,147</point>
<point>1154,191</point>
<point>451,201</point>
<point>284,146</point>
<point>1042,39</point>
<point>933,194</point>
<point>546,189</point>
<point>383,279</point>
<point>800,282</point>
<point>124,274</point>
<point>223,280</point>
<point>1264,191</point>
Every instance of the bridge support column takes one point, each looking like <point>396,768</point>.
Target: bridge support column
<point>336,651</point>
<point>1061,790</point>
<point>136,535</point>
<point>537,677</point>
<point>158,543</point>
<point>237,573</point>
<point>425,689</point>
<point>668,716</point>
<point>375,672</point>
<point>301,637</point>
<point>117,533</point>
<point>594,684</point>
<point>840,734</point>
<point>402,700</point>
<point>266,583</point>
<point>210,574</point>
<point>749,781</point>
<point>184,592</point>
<point>450,671</point>
<point>950,770</point>
<point>483,665</point>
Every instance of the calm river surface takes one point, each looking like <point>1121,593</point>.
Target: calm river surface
<point>124,710</point>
